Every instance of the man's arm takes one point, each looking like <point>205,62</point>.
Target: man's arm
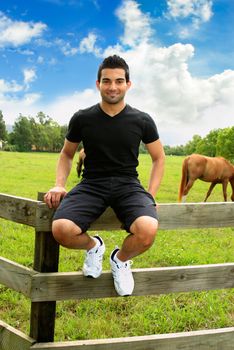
<point>157,154</point>
<point>53,197</point>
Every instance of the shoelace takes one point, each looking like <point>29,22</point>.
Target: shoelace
<point>124,269</point>
<point>93,256</point>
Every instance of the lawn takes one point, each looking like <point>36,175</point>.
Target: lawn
<point>24,174</point>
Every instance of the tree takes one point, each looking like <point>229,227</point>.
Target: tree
<point>43,119</point>
<point>48,135</point>
<point>3,131</point>
<point>225,144</point>
<point>207,145</point>
<point>22,134</point>
<point>191,146</point>
<point>56,136</point>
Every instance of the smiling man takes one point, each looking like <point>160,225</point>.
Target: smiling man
<point>111,132</point>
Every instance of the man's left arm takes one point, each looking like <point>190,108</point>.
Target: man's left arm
<point>157,154</point>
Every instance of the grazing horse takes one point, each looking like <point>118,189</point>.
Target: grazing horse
<point>80,162</point>
<point>216,170</point>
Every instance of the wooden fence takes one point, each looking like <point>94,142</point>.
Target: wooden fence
<point>44,285</point>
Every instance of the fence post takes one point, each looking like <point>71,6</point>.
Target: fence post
<point>46,259</point>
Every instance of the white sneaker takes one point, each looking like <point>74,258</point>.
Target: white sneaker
<point>93,259</point>
<point>122,275</point>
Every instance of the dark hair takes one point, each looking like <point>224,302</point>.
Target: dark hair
<point>113,62</point>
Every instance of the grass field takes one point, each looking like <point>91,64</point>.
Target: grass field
<point>24,174</point>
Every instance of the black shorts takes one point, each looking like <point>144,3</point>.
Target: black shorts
<point>90,198</point>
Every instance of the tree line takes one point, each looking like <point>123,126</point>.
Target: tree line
<point>42,133</point>
<point>217,143</point>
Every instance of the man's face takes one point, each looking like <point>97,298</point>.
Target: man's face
<point>113,85</point>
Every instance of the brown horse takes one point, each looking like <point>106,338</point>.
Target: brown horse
<point>216,170</point>
<point>80,162</point>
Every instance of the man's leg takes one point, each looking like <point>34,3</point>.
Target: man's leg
<point>136,209</point>
<point>143,231</point>
<point>78,209</point>
<point>70,235</point>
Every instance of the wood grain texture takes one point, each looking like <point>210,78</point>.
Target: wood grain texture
<point>15,276</point>
<point>153,281</point>
<point>217,339</point>
<point>12,339</point>
<point>171,216</point>
<point>18,209</point>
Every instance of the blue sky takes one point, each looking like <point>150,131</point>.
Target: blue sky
<point>180,53</point>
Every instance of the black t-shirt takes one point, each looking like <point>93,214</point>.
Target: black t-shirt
<point>111,143</point>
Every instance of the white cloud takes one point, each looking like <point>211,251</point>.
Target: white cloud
<point>66,47</point>
<point>30,99</point>
<point>40,59</point>
<point>17,33</point>
<point>14,106</point>
<point>199,11</point>
<point>202,9</point>
<point>64,107</point>
<point>137,27</point>
<point>87,44</point>
<point>29,76</point>
<point>11,103</point>
<point>9,87</point>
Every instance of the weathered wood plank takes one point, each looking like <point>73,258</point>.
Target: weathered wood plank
<point>15,276</point>
<point>216,339</point>
<point>44,217</point>
<point>196,215</point>
<point>171,216</point>
<point>153,281</point>
<point>12,339</point>
<point>18,209</point>
<point>46,259</point>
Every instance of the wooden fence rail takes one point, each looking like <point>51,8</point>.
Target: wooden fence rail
<point>172,216</point>
<point>152,281</point>
<point>43,285</point>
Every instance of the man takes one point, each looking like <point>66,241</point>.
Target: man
<point>111,133</point>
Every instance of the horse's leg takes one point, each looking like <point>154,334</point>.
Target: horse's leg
<point>232,184</point>
<point>186,190</point>
<point>225,183</point>
<point>210,190</point>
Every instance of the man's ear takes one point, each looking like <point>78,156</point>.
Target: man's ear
<point>98,84</point>
<point>129,84</point>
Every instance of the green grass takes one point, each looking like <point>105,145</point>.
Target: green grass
<point>27,173</point>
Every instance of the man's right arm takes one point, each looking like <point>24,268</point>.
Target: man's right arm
<point>53,197</point>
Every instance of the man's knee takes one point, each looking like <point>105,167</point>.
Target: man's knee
<point>145,228</point>
<point>64,231</point>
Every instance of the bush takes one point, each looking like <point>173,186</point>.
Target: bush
<point>10,148</point>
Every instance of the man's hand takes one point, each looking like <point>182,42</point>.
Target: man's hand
<point>53,197</point>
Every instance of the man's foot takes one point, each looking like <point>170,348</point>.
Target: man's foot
<point>122,275</point>
<point>93,259</point>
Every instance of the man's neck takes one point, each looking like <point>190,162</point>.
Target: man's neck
<point>112,109</point>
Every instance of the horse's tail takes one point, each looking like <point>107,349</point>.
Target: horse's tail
<point>80,162</point>
<point>79,167</point>
<point>184,179</point>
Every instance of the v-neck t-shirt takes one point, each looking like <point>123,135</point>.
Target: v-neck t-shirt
<point>111,143</point>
